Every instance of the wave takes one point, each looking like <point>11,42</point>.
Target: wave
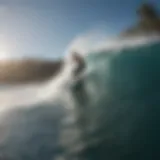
<point>114,115</point>
<point>122,105</point>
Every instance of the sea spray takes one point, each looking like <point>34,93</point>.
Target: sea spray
<point>32,118</point>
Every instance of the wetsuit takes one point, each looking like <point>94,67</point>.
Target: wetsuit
<point>81,67</point>
<point>80,95</point>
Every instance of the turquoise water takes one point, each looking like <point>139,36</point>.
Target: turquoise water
<point>115,115</point>
<point>127,113</point>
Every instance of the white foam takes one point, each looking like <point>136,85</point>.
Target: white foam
<point>29,95</point>
<point>90,42</point>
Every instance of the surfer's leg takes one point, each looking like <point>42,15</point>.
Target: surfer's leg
<point>79,92</point>
<point>80,96</point>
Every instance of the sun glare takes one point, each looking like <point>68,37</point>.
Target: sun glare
<point>4,55</point>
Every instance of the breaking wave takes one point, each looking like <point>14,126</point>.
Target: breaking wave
<point>113,115</point>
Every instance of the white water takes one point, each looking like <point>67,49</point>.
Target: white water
<point>27,95</point>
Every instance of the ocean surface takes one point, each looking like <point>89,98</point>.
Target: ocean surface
<point>111,113</point>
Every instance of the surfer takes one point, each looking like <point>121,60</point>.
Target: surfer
<point>80,95</point>
<point>78,74</point>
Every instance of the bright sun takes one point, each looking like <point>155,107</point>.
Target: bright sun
<point>4,50</point>
<point>4,55</point>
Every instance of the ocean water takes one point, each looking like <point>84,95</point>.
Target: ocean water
<point>111,113</point>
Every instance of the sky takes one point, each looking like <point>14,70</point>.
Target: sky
<point>44,28</point>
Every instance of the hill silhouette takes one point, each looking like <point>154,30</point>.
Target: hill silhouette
<point>148,21</point>
<point>28,70</point>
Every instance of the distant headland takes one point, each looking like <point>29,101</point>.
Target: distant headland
<point>28,70</point>
<point>148,22</point>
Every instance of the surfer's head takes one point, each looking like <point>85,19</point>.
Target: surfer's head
<point>77,57</point>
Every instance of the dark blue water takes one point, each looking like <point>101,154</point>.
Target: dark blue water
<point>116,114</point>
<point>128,110</point>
